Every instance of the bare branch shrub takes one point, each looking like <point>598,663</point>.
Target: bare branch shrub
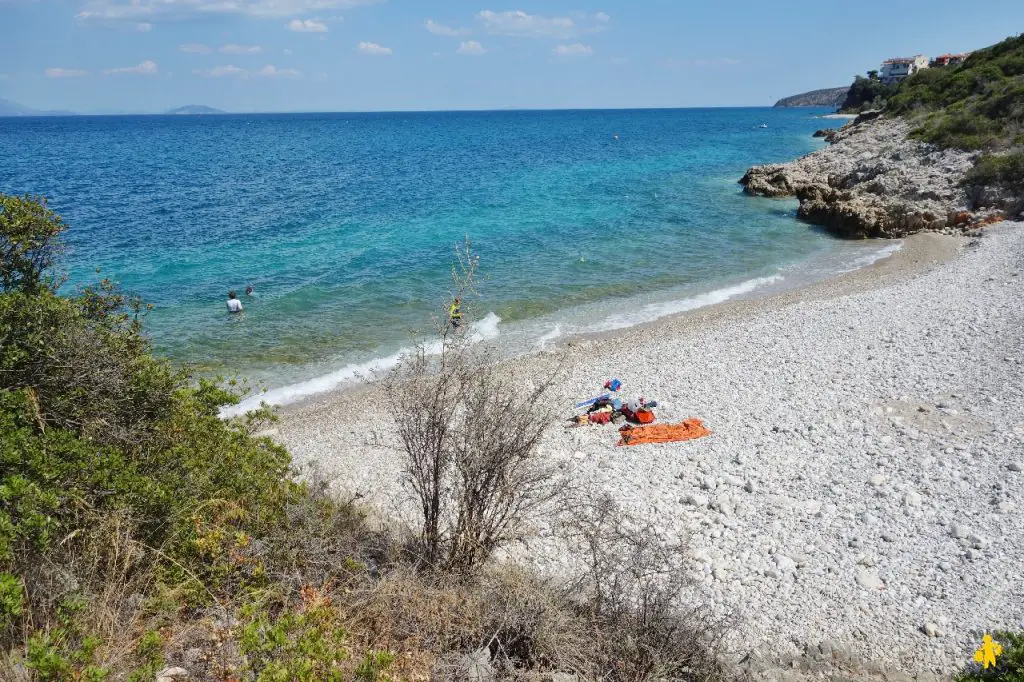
<point>633,589</point>
<point>469,432</point>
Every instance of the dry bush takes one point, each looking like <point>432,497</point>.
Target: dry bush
<point>634,592</point>
<point>469,430</point>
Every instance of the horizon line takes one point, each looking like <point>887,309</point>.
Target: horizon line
<point>75,114</point>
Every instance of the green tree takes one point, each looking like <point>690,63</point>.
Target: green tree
<point>29,242</point>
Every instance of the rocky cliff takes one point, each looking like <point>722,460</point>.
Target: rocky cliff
<point>829,97</point>
<point>875,181</point>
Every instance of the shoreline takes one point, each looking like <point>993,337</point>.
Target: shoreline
<point>916,252</point>
<point>868,419</point>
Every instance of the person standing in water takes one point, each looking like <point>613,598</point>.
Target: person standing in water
<point>455,313</point>
<point>234,305</point>
<point>248,291</point>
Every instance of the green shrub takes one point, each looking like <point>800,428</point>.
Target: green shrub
<point>1005,170</point>
<point>296,645</point>
<point>866,93</point>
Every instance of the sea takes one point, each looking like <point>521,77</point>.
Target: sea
<point>347,225</point>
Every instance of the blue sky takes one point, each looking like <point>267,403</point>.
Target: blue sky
<point>358,55</point>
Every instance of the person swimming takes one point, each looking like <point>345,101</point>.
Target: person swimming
<point>234,305</point>
<point>248,291</point>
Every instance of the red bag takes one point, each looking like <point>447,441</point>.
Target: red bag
<point>644,416</point>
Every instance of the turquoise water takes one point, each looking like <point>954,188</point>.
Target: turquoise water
<point>345,224</point>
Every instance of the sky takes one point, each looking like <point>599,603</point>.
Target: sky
<point>382,55</point>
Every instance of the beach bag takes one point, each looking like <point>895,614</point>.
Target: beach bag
<point>644,416</point>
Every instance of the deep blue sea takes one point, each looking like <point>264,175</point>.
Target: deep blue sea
<point>345,224</point>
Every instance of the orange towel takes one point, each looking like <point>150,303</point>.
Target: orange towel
<point>663,433</point>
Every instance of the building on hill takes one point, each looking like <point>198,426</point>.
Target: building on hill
<point>898,68</point>
<point>949,59</point>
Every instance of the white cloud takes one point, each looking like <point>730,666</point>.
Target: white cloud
<point>442,30</point>
<point>519,23</point>
<point>287,51</point>
<point>307,26</point>
<point>143,27</point>
<point>65,73</point>
<point>602,18</point>
<point>274,72</point>
<point>195,48</point>
<point>471,47</point>
<point>146,68</point>
<point>373,49</point>
<point>574,50</point>
<point>183,9</point>
<point>222,72</point>
<point>4,76</point>
<point>231,48</point>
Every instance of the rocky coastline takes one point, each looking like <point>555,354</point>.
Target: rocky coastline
<point>874,180</point>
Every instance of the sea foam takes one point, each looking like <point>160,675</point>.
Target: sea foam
<point>482,330</point>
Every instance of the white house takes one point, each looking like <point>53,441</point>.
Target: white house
<point>898,68</point>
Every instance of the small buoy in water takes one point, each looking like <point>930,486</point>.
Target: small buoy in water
<point>615,136</point>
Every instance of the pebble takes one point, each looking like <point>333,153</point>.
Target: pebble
<point>932,630</point>
<point>877,480</point>
<point>869,580</point>
<point>697,500</point>
<point>1015,466</point>
<point>959,531</point>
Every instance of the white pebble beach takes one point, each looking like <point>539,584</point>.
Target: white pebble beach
<point>864,481</point>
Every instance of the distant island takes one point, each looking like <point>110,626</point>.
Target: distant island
<point>828,97</point>
<point>194,109</point>
<point>9,108</point>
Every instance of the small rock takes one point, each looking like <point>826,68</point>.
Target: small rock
<point>888,537</point>
<point>877,480</point>
<point>749,486</point>
<point>977,541</point>
<point>784,563</point>
<point>1015,466</point>
<point>945,567</point>
<point>476,666</point>
<point>697,500</point>
<point>959,531</point>
<point>932,630</point>
<point>1005,507</point>
<point>869,580</point>
<point>729,479</point>
<point>172,675</point>
<point>912,499</point>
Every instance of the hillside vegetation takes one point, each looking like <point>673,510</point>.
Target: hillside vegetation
<point>976,105</point>
<point>827,97</point>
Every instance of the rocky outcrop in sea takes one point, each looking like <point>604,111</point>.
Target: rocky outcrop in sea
<point>873,180</point>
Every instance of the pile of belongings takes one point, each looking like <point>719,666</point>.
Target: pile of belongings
<point>611,408</point>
